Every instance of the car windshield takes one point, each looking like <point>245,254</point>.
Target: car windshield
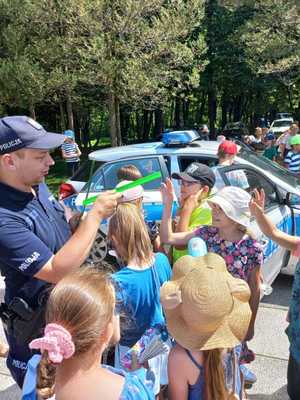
<point>279,124</point>
<point>271,167</point>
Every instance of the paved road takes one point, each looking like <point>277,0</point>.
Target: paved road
<point>270,344</point>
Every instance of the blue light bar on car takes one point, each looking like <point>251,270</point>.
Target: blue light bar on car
<point>179,137</point>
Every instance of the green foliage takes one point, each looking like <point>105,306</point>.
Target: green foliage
<point>119,66</point>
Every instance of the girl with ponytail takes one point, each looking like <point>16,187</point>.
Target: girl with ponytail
<point>208,314</point>
<point>80,325</point>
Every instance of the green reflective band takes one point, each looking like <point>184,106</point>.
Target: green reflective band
<point>141,181</point>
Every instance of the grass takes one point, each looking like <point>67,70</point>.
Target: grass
<point>57,175</point>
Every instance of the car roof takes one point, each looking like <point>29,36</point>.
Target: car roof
<point>143,149</point>
<point>288,120</point>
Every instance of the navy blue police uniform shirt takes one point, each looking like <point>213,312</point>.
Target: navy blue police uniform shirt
<point>32,230</point>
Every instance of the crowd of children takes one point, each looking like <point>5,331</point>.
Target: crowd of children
<point>203,309</point>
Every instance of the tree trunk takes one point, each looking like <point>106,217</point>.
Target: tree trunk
<point>70,112</point>
<point>32,110</point>
<point>178,115</point>
<point>237,108</point>
<point>125,124</point>
<point>224,107</point>
<point>212,112</point>
<point>114,120</point>
<point>62,116</point>
<point>185,112</point>
<point>210,14</point>
<point>158,123</point>
<point>201,108</point>
<point>147,123</point>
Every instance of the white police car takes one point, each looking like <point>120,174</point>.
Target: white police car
<point>174,153</point>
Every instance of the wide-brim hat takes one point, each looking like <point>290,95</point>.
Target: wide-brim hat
<point>206,308</point>
<point>234,201</point>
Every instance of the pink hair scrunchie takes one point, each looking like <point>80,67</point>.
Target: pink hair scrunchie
<point>57,341</point>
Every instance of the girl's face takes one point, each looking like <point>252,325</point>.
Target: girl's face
<point>188,188</point>
<point>219,218</point>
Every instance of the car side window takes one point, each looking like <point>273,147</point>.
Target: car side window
<point>250,180</point>
<point>185,161</point>
<point>106,177</point>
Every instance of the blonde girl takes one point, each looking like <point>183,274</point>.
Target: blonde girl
<point>207,313</point>
<point>80,325</point>
<point>138,282</point>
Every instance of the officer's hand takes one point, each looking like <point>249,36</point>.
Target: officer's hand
<point>106,204</point>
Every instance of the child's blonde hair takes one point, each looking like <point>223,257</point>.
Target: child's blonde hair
<point>128,227</point>
<point>83,303</point>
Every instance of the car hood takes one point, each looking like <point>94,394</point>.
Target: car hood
<point>280,129</point>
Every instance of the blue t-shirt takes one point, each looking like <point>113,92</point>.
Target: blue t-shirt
<point>32,229</point>
<point>138,298</point>
<point>138,385</point>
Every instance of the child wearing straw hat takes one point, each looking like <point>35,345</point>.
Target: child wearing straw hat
<point>228,237</point>
<point>208,314</point>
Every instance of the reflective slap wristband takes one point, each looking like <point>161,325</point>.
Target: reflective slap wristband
<point>120,189</point>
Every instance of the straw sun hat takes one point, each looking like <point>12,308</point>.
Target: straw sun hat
<point>206,308</point>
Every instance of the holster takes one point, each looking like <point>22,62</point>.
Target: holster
<point>21,322</point>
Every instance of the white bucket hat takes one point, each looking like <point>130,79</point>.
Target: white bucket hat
<point>234,201</point>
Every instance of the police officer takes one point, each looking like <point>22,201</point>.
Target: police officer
<point>36,246</point>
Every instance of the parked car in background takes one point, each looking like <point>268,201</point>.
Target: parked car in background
<point>235,130</point>
<point>284,115</point>
<point>280,126</point>
<point>281,187</point>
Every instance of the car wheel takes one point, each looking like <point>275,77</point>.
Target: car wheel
<point>99,249</point>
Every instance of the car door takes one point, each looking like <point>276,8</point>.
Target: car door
<point>105,178</point>
<point>277,211</point>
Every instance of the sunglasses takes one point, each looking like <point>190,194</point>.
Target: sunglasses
<point>187,183</point>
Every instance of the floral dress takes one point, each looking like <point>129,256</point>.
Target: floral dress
<point>241,258</point>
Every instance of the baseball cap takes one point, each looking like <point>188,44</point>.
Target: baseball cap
<point>228,147</point>
<point>197,172</point>
<point>295,140</point>
<point>18,132</point>
<point>69,133</point>
<point>270,136</point>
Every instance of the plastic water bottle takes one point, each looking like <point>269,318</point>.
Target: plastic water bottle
<point>197,247</point>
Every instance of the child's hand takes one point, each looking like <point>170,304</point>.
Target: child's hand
<point>167,192</point>
<point>257,203</point>
<point>192,201</point>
